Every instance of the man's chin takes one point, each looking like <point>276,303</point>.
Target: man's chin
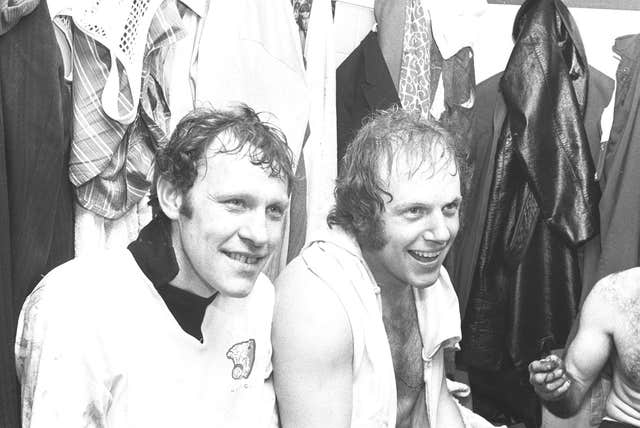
<point>424,282</point>
<point>240,287</point>
<point>239,293</point>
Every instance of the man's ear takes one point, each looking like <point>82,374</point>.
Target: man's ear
<point>170,198</point>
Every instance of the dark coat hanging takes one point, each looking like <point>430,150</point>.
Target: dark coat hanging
<point>543,200</point>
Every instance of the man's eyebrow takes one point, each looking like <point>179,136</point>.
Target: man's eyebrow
<point>404,205</point>
<point>230,194</point>
<point>216,196</point>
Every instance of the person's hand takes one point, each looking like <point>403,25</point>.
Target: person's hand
<point>549,378</point>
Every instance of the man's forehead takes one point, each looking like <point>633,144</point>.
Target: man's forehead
<point>224,150</point>
<point>424,163</point>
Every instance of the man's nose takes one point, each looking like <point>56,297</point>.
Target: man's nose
<point>254,229</point>
<point>437,228</point>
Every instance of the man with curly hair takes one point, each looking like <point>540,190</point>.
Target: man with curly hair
<point>175,330</point>
<point>372,299</point>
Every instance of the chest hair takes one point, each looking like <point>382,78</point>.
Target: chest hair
<point>401,324</point>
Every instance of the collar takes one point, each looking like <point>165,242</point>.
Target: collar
<point>627,46</point>
<point>375,68</point>
<point>199,7</point>
<point>340,238</point>
<point>153,252</point>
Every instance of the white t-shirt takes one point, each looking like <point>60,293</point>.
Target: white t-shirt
<point>96,346</point>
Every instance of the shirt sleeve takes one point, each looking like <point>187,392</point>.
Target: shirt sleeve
<point>59,363</point>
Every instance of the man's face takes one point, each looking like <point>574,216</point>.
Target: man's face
<point>236,223</point>
<point>419,225</point>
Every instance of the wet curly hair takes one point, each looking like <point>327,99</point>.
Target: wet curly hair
<point>360,190</point>
<point>178,161</point>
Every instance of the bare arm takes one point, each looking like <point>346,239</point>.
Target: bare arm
<point>448,412</point>
<point>312,352</point>
<point>562,385</point>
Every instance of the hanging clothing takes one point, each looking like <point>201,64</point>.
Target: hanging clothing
<point>390,17</point>
<point>181,62</point>
<point>352,22</point>
<point>12,11</point>
<point>543,198</point>
<point>363,85</point>
<point>320,148</point>
<point>262,67</point>
<point>618,248</point>
<point>94,232</point>
<point>421,61</point>
<point>455,23</point>
<point>490,113</point>
<point>111,171</point>
<point>436,86</point>
<point>36,211</point>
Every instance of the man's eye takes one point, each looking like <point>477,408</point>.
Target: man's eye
<point>275,212</point>
<point>451,209</point>
<point>235,203</point>
<point>414,212</point>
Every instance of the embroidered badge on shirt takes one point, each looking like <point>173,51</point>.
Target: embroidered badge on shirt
<point>243,355</point>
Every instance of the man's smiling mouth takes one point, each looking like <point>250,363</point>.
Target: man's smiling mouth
<point>243,258</point>
<point>425,256</point>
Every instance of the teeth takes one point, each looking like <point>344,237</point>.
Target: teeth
<point>426,254</point>
<point>243,259</point>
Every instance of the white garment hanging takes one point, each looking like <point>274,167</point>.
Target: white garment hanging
<point>250,52</point>
<point>454,23</point>
<point>320,151</point>
<point>122,27</point>
<point>183,62</point>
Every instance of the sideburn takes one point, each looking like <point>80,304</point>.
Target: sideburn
<point>186,208</point>
<point>371,236</point>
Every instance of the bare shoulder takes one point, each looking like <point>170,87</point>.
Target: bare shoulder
<point>308,316</point>
<point>613,300</point>
<point>312,351</point>
<point>619,291</point>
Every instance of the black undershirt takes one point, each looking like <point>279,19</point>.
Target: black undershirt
<point>154,254</point>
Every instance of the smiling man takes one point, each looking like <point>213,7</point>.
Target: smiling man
<point>174,331</point>
<point>372,299</point>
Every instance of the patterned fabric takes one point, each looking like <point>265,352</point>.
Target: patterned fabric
<point>111,164</point>
<point>421,63</point>
<point>434,86</point>
<point>302,14</point>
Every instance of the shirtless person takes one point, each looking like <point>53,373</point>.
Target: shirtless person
<point>372,299</point>
<point>609,329</point>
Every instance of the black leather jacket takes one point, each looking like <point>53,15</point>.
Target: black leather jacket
<point>543,201</point>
